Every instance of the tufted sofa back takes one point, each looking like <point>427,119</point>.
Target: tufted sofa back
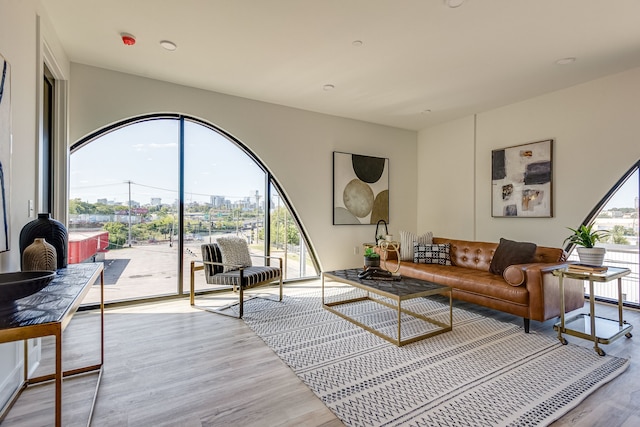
<point>478,255</point>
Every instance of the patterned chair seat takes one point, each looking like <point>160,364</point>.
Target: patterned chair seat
<point>248,277</point>
<point>240,278</point>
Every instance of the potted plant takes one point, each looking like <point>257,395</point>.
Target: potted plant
<point>586,238</point>
<point>371,258</point>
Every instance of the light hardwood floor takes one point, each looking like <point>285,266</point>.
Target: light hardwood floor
<point>167,364</point>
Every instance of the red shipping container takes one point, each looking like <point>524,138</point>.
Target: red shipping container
<point>84,246</point>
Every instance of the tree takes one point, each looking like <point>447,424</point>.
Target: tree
<point>617,235</point>
<point>118,233</point>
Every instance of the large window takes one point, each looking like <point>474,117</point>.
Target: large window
<point>618,214</point>
<point>145,195</point>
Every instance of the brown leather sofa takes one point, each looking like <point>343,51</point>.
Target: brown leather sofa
<point>527,290</point>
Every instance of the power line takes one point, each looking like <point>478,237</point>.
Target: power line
<point>161,189</point>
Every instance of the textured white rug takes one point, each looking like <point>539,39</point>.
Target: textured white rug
<point>483,373</point>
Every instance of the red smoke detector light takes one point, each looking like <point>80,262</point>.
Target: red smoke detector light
<point>128,39</point>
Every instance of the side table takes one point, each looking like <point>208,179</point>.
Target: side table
<point>47,313</point>
<point>588,326</point>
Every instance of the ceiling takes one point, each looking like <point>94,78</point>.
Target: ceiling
<point>404,63</point>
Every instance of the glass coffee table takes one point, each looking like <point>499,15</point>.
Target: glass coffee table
<point>393,293</point>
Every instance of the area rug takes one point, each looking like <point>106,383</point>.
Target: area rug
<point>483,373</point>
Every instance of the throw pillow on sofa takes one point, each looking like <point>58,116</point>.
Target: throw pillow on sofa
<point>407,239</point>
<point>509,252</point>
<point>432,254</point>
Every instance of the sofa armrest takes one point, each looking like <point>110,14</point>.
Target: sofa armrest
<point>544,291</point>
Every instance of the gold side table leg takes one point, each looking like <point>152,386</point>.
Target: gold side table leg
<point>58,380</point>
<point>451,308</point>
<point>562,305</point>
<point>399,324</point>
<point>620,302</point>
<point>592,318</point>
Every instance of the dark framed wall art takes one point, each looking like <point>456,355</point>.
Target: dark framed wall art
<point>521,180</point>
<point>360,189</point>
<point>5,151</point>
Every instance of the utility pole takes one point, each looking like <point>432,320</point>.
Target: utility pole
<point>257,214</point>
<point>129,182</point>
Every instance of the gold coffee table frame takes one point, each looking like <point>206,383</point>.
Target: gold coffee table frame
<point>398,291</point>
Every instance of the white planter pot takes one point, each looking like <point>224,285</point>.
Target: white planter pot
<point>591,256</point>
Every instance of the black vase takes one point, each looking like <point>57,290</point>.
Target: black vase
<point>53,231</point>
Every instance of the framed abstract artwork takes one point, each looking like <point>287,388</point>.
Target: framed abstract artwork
<point>5,151</point>
<point>360,189</point>
<point>521,181</point>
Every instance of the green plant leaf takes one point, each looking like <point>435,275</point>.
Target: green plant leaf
<point>585,236</point>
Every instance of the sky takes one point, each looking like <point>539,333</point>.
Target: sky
<point>624,198</point>
<point>147,154</point>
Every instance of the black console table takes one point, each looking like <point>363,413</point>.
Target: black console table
<point>48,312</point>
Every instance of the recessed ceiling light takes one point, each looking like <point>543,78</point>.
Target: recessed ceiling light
<point>565,61</point>
<point>454,3</point>
<point>169,45</point>
<point>328,87</point>
<point>357,43</point>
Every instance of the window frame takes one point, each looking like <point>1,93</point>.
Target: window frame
<point>269,181</point>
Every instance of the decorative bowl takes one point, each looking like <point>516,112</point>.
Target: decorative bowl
<point>20,284</point>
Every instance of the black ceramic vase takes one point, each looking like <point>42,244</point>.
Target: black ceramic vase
<point>53,231</point>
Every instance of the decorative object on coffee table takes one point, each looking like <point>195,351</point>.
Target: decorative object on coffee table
<point>387,247</point>
<point>379,236</point>
<point>371,258</point>
<point>53,231</point>
<point>39,255</point>
<point>585,237</point>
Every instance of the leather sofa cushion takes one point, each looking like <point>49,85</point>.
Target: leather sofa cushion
<point>467,280</point>
<point>463,253</point>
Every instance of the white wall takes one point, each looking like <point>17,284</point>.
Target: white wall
<point>22,33</point>
<point>596,127</point>
<point>446,164</point>
<point>296,145</point>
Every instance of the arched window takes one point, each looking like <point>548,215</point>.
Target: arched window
<point>147,192</point>
<point>617,213</point>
